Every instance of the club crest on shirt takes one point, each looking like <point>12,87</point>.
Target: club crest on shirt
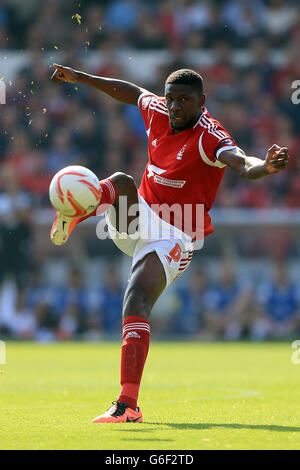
<point>181,152</point>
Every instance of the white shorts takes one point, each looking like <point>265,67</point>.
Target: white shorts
<point>173,247</point>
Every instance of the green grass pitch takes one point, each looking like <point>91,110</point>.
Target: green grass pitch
<point>193,396</point>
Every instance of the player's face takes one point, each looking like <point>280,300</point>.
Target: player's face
<point>184,106</point>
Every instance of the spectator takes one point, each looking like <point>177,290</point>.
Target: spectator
<point>190,302</point>
<point>95,19</point>
<point>15,234</point>
<point>217,30</point>
<point>50,14</point>
<point>111,302</point>
<point>280,18</point>
<point>71,306</point>
<point>122,15</point>
<point>8,25</point>
<point>261,63</point>
<point>108,66</point>
<point>192,16</point>
<point>278,306</point>
<point>62,152</point>
<point>247,18</point>
<point>87,130</point>
<point>223,72</point>
<point>148,35</point>
<point>35,310</point>
<point>227,307</point>
<point>167,23</point>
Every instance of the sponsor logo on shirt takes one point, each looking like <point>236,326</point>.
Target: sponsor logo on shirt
<point>155,171</point>
<point>167,182</point>
<point>153,168</point>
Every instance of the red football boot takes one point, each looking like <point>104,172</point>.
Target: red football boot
<point>120,413</point>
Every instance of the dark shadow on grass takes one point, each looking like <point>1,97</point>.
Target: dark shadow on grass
<point>137,429</point>
<point>205,426</point>
<point>150,439</point>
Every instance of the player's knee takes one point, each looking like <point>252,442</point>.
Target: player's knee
<point>124,183</point>
<point>137,303</point>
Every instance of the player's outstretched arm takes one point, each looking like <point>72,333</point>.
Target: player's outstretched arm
<point>253,168</point>
<point>120,90</point>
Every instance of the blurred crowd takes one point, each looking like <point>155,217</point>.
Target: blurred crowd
<point>232,307</point>
<point>47,126</point>
<point>222,307</point>
<point>146,24</point>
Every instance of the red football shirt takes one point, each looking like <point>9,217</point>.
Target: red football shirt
<point>183,168</point>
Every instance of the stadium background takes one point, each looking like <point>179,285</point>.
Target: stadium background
<point>245,281</point>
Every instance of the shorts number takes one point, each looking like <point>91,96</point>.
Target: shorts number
<point>175,253</point>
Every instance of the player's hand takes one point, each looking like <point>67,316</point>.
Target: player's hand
<point>65,74</point>
<point>277,159</point>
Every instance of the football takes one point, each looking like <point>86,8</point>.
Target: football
<point>75,191</point>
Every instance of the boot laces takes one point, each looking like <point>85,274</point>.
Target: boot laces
<point>119,408</point>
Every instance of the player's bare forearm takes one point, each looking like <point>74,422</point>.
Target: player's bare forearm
<point>252,168</point>
<point>120,90</point>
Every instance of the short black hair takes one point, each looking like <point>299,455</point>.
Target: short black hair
<point>186,77</point>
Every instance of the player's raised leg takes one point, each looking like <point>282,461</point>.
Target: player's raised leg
<point>146,283</point>
<point>119,184</point>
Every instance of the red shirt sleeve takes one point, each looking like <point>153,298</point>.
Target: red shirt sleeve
<point>146,104</point>
<point>151,105</point>
<point>212,143</point>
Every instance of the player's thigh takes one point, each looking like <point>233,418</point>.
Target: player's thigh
<point>127,198</point>
<point>146,283</point>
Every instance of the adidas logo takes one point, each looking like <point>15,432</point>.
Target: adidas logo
<point>154,143</point>
<point>132,334</point>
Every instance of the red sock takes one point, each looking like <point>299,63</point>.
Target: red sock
<point>108,197</point>
<point>136,337</point>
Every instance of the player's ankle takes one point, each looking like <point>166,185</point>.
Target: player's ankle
<point>131,402</point>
